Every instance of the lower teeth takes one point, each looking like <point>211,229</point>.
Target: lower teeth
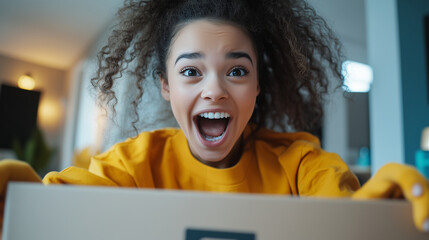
<point>212,139</point>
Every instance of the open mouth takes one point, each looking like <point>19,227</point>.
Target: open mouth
<point>212,125</point>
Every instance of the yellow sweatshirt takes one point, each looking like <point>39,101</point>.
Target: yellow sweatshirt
<point>275,163</point>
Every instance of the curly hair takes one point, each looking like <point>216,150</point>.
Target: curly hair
<point>297,53</point>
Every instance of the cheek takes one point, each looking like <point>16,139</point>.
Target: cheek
<point>180,100</point>
<point>177,99</point>
<point>246,99</point>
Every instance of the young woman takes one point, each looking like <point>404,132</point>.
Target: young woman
<point>230,70</point>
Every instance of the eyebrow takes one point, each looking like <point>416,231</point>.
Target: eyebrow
<point>192,55</point>
<point>195,55</point>
<point>236,55</point>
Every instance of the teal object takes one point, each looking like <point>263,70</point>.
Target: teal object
<point>422,162</point>
<point>364,159</point>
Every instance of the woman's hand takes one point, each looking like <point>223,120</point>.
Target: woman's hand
<point>396,181</point>
<point>13,170</point>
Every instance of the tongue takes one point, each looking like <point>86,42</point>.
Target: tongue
<point>212,127</point>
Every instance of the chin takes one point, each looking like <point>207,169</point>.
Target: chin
<point>212,157</point>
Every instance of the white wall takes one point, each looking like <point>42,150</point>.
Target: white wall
<point>73,82</point>
<point>81,129</point>
<point>347,20</point>
<point>386,94</point>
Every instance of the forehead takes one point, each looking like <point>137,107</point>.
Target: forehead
<point>210,36</point>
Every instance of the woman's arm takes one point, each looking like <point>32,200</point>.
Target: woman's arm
<point>400,181</point>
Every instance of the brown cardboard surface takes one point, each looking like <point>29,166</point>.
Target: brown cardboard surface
<point>34,211</point>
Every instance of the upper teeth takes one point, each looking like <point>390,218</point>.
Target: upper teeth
<point>214,115</point>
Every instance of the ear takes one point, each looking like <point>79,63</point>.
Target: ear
<point>165,88</point>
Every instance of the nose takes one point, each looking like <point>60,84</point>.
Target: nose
<point>214,89</point>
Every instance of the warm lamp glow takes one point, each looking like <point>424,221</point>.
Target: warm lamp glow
<point>50,113</point>
<point>26,82</point>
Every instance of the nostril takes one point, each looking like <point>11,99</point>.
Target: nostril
<point>214,95</point>
<point>214,88</point>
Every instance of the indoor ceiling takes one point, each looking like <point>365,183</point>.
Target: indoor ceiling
<point>56,33</point>
<point>53,33</point>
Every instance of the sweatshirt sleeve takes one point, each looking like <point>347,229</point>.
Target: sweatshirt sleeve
<point>324,174</point>
<point>126,164</point>
<point>15,170</point>
<point>78,176</point>
<point>106,169</point>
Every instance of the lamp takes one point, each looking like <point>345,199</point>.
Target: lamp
<point>26,82</point>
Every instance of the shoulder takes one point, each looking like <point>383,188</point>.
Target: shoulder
<point>303,140</point>
<point>311,170</point>
<point>294,150</point>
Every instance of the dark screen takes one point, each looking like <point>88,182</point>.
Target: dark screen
<point>18,114</point>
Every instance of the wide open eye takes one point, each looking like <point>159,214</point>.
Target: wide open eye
<point>238,72</point>
<point>190,72</point>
